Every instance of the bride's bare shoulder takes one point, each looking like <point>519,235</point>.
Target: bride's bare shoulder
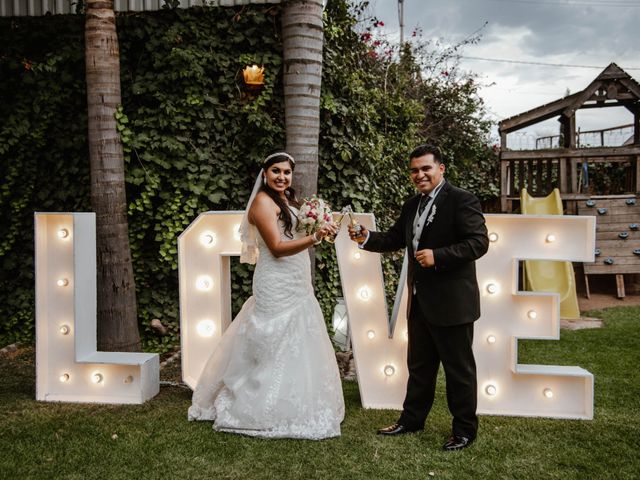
<point>263,204</point>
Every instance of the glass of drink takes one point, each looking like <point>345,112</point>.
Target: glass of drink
<point>337,221</point>
<point>354,224</point>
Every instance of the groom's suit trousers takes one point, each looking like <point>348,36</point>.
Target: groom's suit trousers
<point>429,345</point>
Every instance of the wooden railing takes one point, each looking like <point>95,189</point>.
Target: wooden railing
<point>556,141</point>
<point>540,171</point>
<point>600,136</point>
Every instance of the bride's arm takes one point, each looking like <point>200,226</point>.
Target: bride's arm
<point>264,215</point>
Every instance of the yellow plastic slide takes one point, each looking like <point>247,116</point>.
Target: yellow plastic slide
<point>547,275</point>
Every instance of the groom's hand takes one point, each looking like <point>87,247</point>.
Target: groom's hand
<point>425,258</point>
<point>364,233</point>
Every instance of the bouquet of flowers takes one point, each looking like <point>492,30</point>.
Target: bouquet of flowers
<point>314,214</point>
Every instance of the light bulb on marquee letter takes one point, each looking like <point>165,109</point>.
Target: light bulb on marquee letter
<point>97,377</point>
<point>364,293</point>
<point>64,377</point>
<point>64,329</point>
<point>493,288</point>
<point>357,255</point>
<point>128,379</point>
<point>389,370</point>
<point>491,390</point>
<point>371,334</point>
<point>547,392</point>
<point>493,237</point>
<point>491,339</point>
<point>206,328</point>
<point>63,233</point>
<point>63,282</point>
<point>550,238</point>
<point>208,239</point>
<point>204,282</point>
<point>532,314</point>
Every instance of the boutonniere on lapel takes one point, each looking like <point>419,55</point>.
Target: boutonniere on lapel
<point>431,215</point>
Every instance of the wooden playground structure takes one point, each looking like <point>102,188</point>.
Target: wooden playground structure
<point>565,160</point>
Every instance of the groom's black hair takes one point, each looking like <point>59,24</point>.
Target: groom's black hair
<point>425,149</point>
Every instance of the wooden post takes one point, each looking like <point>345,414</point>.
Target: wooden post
<point>637,174</point>
<point>620,285</point>
<point>568,127</point>
<point>563,175</point>
<point>504,185</point>
<point>504,175</point>
<point>586,286</point>
<point>574,175</point>
<point>520,175</point>
<point>539,166</point>
<point>564,132</point>
<point>512,177</point>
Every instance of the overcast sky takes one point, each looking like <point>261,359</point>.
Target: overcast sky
<point>568,32</point>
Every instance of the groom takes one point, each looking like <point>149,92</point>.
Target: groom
<point>444,232</point>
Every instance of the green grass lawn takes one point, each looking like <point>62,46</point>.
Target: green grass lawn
<point>47,440</point>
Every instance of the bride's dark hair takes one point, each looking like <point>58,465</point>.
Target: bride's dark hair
<point>285,213</point>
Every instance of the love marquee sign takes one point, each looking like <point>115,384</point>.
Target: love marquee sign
<point>69,368</point>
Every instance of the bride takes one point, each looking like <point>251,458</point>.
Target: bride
<point>274,372</point>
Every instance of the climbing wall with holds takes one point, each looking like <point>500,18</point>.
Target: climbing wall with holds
<point>617,238</point>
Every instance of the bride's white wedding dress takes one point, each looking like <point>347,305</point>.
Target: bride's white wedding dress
<point>274,372</point>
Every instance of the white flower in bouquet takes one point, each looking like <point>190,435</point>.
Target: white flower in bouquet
<point>314,214</point>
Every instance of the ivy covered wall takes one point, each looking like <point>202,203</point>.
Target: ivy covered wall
<point>193,140</point>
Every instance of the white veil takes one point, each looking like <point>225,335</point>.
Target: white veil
<point>249,232</point>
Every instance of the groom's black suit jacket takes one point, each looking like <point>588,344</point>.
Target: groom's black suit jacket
<point>447,293</point>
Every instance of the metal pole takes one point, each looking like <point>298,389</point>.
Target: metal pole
<point>401,21</point>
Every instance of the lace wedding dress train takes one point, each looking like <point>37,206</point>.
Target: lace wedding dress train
<point>274,372</point>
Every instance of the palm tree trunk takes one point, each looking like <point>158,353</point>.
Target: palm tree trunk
<point>302,50</point>
<point>117,316</point>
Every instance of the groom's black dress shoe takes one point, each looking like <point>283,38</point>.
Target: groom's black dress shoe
<point>456,442</point>
<point>395,429</point>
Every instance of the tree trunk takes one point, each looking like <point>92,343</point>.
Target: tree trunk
<point>302,35</point>
<point>117,316</point>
